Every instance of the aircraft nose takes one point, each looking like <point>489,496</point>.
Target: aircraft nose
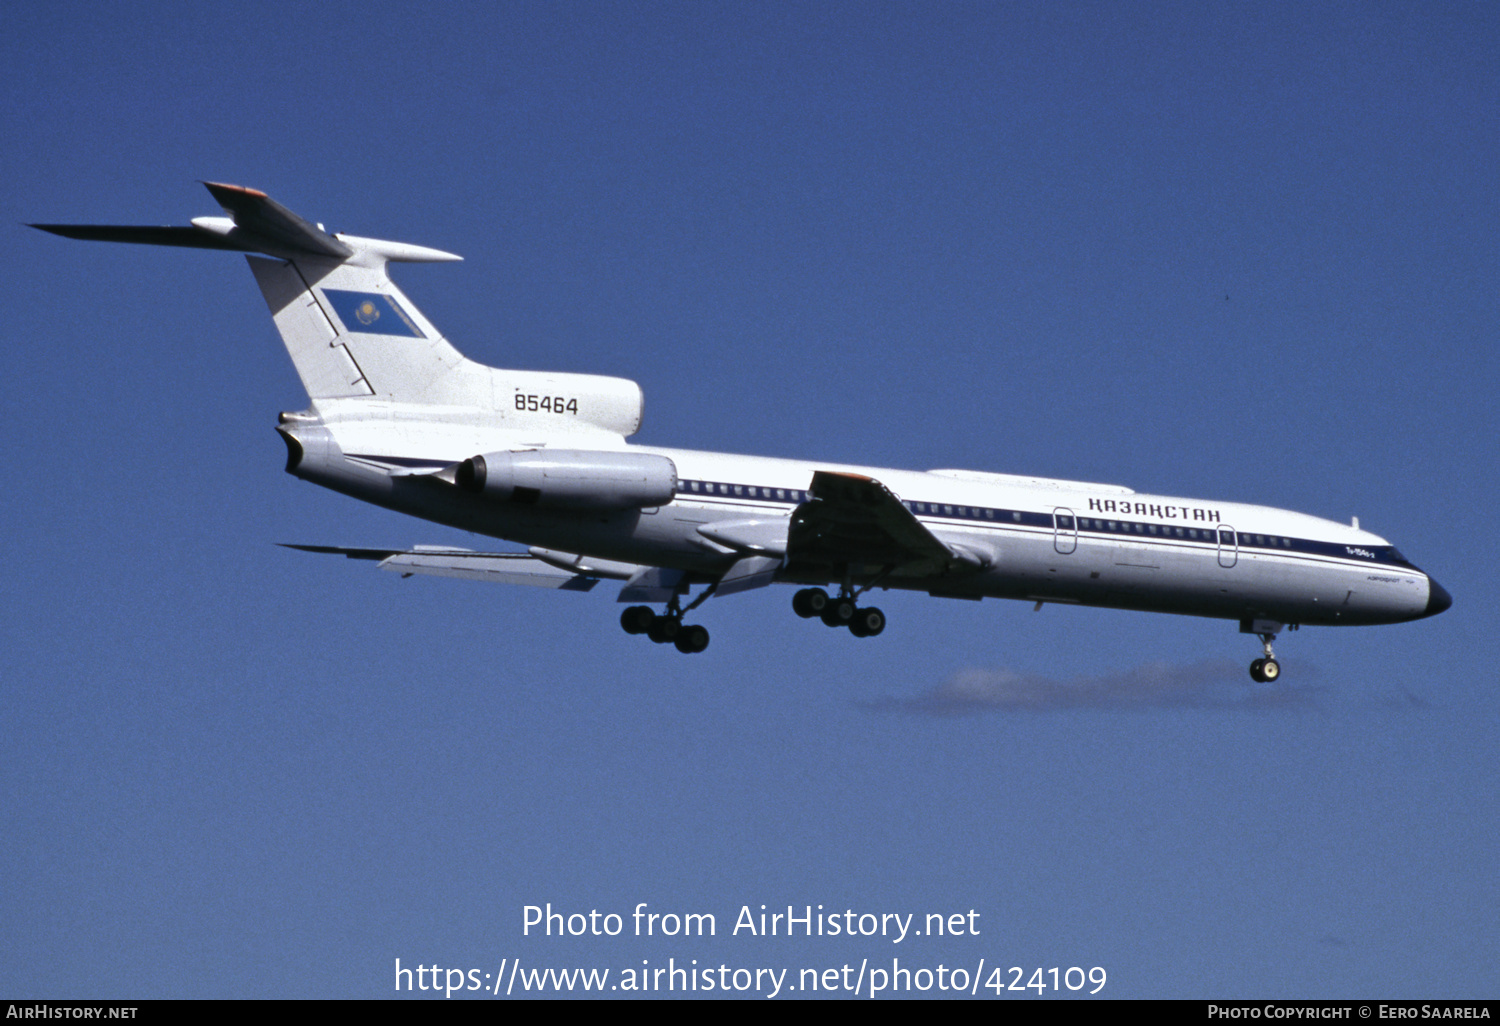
<point>1438,598</point>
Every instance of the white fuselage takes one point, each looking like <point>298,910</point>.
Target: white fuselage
<point>1035,539</point>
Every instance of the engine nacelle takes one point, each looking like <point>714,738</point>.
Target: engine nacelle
<point>571,478</point>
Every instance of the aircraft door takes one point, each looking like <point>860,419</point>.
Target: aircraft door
<point>1064,530</point>
<point>1229,549</point>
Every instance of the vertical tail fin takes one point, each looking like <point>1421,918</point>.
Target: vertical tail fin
<point>326,367</point>
<point>352,334</point>
<point>349,330</point>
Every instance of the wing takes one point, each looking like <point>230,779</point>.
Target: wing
<point>853,521</point>
<point>439,561</point>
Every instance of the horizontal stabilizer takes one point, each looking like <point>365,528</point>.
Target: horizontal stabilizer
<point>256,224</point>
<point>195,238</point>
<point>259,215</point>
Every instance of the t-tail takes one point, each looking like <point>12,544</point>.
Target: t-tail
<point>360,346</point>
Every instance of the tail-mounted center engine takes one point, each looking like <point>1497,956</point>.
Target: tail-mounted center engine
<point>570,478</point>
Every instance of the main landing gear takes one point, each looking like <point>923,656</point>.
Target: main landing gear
<point>667,627</point>
<point>838,612</point>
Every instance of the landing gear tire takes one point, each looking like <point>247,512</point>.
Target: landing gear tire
<point>1265,671</point>
<point>664,629</point>
<point>867,623</point>
<point>810,602</point>
<point>667,627</point>
<point>692,639</point>
<point>840,612</point>
<point>637,619</point>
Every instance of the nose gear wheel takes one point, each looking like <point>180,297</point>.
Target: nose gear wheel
<point>1266,670</point>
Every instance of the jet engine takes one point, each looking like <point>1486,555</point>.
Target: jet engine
<point>570,478</point>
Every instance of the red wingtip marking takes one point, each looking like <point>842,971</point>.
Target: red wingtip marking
<point>256,193</point>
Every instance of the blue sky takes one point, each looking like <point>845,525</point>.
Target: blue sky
<point>1205,250</point>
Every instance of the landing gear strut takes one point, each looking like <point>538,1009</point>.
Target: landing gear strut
<point>668,627</point>
<point>1266,670</point>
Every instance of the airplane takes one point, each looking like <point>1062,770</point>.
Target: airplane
<point>399,418</point>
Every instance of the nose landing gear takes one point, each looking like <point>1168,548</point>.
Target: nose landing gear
<point>1266,670</point>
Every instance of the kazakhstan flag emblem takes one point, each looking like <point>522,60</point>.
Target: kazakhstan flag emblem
<point>371,313</point>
